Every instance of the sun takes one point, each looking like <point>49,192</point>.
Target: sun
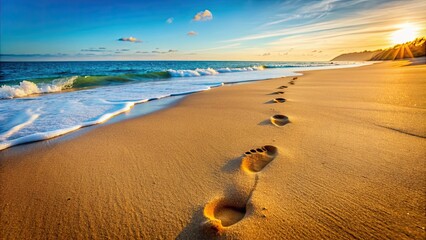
<point>406,32</point>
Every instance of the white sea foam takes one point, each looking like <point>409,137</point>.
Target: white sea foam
<point>37,137</point>
<point>192,73</point>
<point>246,69</point>
<point>20,121</point>
<point>26,88</point>
<point>210,71</point>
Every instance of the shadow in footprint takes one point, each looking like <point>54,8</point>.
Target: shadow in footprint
<point>225,212</point>
<point>279,100</point>
<point>257,159</point>
<point>282,87</point>
<point>279,120</point>
<point>291,82</point>
<point>276,93</point>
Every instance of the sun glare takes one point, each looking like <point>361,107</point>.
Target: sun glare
<point>406,32</point>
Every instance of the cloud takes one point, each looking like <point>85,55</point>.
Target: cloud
<point>369,20</point>
<point>266,54</point>
<point>205,15</point>
<point>170,20</point>
<point>192,33</point>
<point>100,49</point>
<point>29,55</point>
<point>164,52</point>
<point>313,10</point>
<point>220,47</point>
<point>124,50</point>
<point>130,39</point>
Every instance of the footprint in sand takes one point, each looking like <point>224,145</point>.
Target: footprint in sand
<point>279,100</point>
<point>224,213</point>
<point>282,87</point>
<point>291,82</point>
<point>278,92</point>
<point>295,78</point>
<point>279,120</point>
<point>256,159</point>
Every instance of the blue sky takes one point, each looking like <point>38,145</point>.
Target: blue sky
<point>228,30</point>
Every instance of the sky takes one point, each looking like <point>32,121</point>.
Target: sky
<point>269,30</point>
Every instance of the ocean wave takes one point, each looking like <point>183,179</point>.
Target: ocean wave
<point>192,73</point>
<point>245,69</point>
<point>210,71</point>
<point>290,65</point>
<point>41,86</point>
<point>26,88</point>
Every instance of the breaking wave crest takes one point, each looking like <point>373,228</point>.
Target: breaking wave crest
<point>26,88</point>
<point>210,71</point>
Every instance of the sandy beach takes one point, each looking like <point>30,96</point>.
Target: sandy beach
<point>349,163</point>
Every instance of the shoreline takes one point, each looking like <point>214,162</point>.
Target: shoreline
<point>130,106</point>
<point>337,170</point>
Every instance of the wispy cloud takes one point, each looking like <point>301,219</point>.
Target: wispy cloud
<point>29,55</point>
<point>129,39</point>
<point>164,52</point>
<point>170,20</point>
<point>205,15</point>
<point>192,33</point>
<point>100,49</point>
<point>370,18</point>
<point>220,47</point>
<point>313,11</point>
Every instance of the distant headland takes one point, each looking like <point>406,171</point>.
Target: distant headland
<point>413,49</point>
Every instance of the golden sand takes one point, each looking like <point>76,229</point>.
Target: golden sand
<point>349,162</point>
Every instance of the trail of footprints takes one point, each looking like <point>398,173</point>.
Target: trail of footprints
<point>223,213</point>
